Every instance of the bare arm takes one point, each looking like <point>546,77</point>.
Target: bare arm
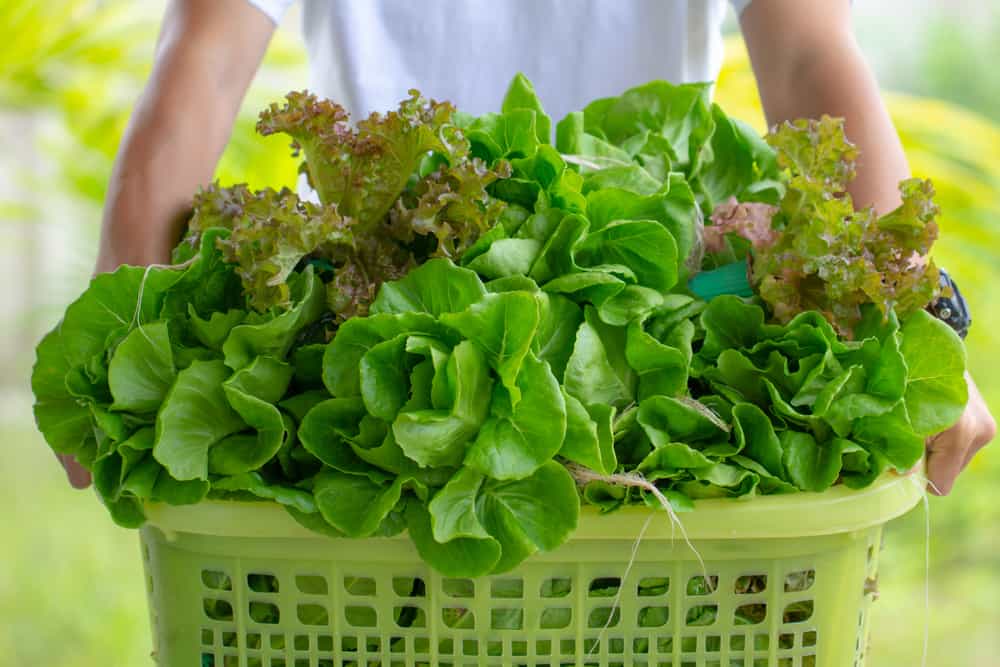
<point>807,64</point>
<point>206,56</point>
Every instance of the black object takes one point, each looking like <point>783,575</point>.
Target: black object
<point>951,307</point>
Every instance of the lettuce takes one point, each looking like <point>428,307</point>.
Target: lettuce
<point>472,323</point>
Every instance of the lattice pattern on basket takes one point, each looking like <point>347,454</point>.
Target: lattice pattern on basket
<point>869,594</point>
<point>282,614</point>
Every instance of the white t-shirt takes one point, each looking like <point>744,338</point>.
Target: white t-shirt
<point>366,54</point>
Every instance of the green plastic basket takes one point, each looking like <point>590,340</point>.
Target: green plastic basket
<point>790,581</point>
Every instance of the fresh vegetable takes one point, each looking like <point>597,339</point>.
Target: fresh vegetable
<point>474,330</point>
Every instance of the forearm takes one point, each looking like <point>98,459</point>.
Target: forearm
<point>807,63</point>
<point>206,57</point>
<point>841,84</point>
<point>168,152</point>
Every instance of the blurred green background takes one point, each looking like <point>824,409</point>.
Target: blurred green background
<point>71,591</point>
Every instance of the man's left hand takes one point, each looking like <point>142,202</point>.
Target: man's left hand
<point>949,452</point>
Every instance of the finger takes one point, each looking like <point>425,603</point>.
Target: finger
<point>79,477</point>
<point>947,455</point>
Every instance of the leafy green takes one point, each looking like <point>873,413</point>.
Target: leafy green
<point>474,331</point>
<point>195,415</point>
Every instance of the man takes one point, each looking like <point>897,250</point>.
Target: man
<point>804,55</point>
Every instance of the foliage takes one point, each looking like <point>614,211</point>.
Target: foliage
<point>530,311</point>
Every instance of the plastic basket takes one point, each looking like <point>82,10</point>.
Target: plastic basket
<point>242,585</point>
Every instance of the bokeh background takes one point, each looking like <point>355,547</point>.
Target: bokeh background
<point>71,592</point>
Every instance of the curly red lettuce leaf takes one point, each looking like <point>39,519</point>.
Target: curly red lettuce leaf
<point>271,232</point>
<point>364,170</point>
<point>830,257</point>
<point>451,205</point>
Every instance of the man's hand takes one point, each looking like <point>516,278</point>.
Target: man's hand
<point>79,477</point>
<point>948,453</point>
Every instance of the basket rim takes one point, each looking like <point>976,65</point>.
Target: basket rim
<point>805,514</point>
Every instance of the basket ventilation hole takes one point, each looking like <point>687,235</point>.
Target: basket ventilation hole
<point>218,610</point>
<point>750,584</point>
<point>411,587</point>
<point>312,584</point>
<point>809,638</point>
<point>254,641</point>
<point>797,612</point>
<point>604,587</point>
<point>556,588</point>
<point>653,617</point>
<point>750,614</point>
<point>262,583</point>
<point>786,640</point>
<point>507,588</point>
<point>701,586</point>
<point>555,618</point>
<point>459,588</point>
<point>313,614</point>
<point>216,580</point>
<point>507,619</point>
<point>360,616</point>
<point>264,612</point>
<point>360,586</point>
<point>278,642</point>
<point>409,616</point>
<point>801,580</point>
<point>604,617</point>
<point>653,586</point>
<point>458,617</point>
<point>702,614</point>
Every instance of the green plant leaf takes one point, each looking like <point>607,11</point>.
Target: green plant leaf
<point>460,557</point>
<point>384,373</point>
<point>440,437</point>
<point>811,465</point>
<point>662,367</point>
<point>679,420</point>
<point>506,257</point>
<point>142,369</point>
<point>756,438</point>
<point>453,508</point>
<point>646,247</point>
<point>252,392</point>
<point>436,287</point>
<point>353,504</point>
<point>589,440</point>
<point>521,95</point>
<point>544,507</point>
<point>274,337</point>
<point>516,439</point>
<point>195,415</point>
<point>936,391</point>
<point>254,483</point>
<point>503,326</point>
